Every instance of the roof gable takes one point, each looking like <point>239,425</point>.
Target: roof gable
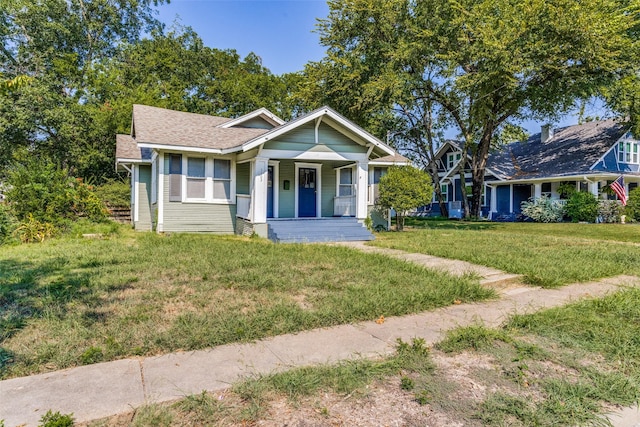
<point>571,150</point>
<point>330,117</point>
<point>249,120</point>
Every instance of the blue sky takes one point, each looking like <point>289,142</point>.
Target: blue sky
<point>280,32</point>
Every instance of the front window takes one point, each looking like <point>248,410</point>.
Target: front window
<point>345,183</point>
<point>444,188</point>
<point>628,152</point>
<point>196,179</point>
<point>222,179</point>
<point>209,180</point>
<point>377,174</point>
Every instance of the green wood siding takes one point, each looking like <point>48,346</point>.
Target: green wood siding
<point>303,139</point>
<point>287,198</point>
<point>328,189</point>
<point>196,217</point>
<point>144,199</point>
<point>243,178</point>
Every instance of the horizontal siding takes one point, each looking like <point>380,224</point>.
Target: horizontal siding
<point>144,200</point>
<point>286,199</point>
<point>197,217</point>
<point>328,190</point>
<point>303,139</point>
<point>256,122</point>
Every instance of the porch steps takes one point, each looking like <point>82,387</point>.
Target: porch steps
<point>310,230</point>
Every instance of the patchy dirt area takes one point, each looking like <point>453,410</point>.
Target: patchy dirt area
<point>450,399</point>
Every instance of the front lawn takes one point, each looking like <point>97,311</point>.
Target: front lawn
<point>73,301</point>
<point>546,254</point>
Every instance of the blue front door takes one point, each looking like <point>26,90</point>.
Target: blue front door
<point>503,199</point>
<point>307,192</point>
<point>270,192</point>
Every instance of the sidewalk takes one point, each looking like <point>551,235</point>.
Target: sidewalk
<point>100,390</point>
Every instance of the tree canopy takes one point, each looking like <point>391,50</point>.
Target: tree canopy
<point>404,188</point>
<point>70,71</point>
<point>478,66</point>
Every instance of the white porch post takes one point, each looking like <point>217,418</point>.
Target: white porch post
<point>511,198</point>
<point>259,190</point>
<point>362,190</point>
<point>593,188</point>
<point>494,198</point>
<point>537,191</point>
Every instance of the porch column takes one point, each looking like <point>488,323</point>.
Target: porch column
<point>537,191</point>
<point>494,198</point>
<point>593,188</point>
<point>259,190</point>
<point>362,190</point>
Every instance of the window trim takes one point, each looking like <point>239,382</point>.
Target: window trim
<point>209,180</point>
<point>453,158</point>
<point>629,149</point>
<point>339,184</point>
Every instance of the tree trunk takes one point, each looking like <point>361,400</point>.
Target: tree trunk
<point>399,221</point>
<point>478,165</point>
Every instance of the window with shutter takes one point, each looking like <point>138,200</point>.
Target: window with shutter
<point>175,177</point>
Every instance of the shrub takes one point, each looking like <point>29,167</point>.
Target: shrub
<point>56,419</point>
<point>633,204</point>
<point>47,193</point>
<point>8,223</point>
<point>543,209</point>
<point>115,193</point>
<point>609,211</point>
<point>31,230</point>
<point>582,207</point>
<point>404,188</point>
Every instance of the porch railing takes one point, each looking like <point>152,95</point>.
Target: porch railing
<point>344,206</point>
<point>243,206</point>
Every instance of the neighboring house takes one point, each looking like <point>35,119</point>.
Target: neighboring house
<point>588,156</point>
<point>253,174</point>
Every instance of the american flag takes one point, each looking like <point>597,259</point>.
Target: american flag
<point>618,187</point>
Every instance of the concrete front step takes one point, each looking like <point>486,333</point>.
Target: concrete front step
<point>309,230</point>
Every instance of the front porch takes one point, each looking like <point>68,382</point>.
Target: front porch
<point>269,190</point>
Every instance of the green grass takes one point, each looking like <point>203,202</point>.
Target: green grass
<point>554,367</point>
<point>73,301</point>
<point>547,255</point>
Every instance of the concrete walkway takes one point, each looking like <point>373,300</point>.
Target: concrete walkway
<point>100,390</point>
<point>488,276</point>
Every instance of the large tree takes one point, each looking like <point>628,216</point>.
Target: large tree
<point>55,44</point>
<point>478,66</point>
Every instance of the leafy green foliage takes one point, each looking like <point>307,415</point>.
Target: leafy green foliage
<point>609,211</point>
<point>40,191</point>
<point>8,223</point>
<point>477,66</point>
<point>31,230</point>
<point>56,419</point>
<point>543,209</point>
<point>582,207</point>
<point>633,204</point>
<point>404,188</point>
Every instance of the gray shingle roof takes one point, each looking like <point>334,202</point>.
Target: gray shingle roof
<point>175,128</point>
<point>572,150</point>
<point>395,158</point>
<point>126,148</point>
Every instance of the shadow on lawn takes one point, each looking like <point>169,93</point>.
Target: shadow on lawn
<point>35,290</point>
<point>445,224</point>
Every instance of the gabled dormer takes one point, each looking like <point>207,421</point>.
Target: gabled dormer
<point>259,119</point>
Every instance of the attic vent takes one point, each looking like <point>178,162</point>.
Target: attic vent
<point>546,133</point>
